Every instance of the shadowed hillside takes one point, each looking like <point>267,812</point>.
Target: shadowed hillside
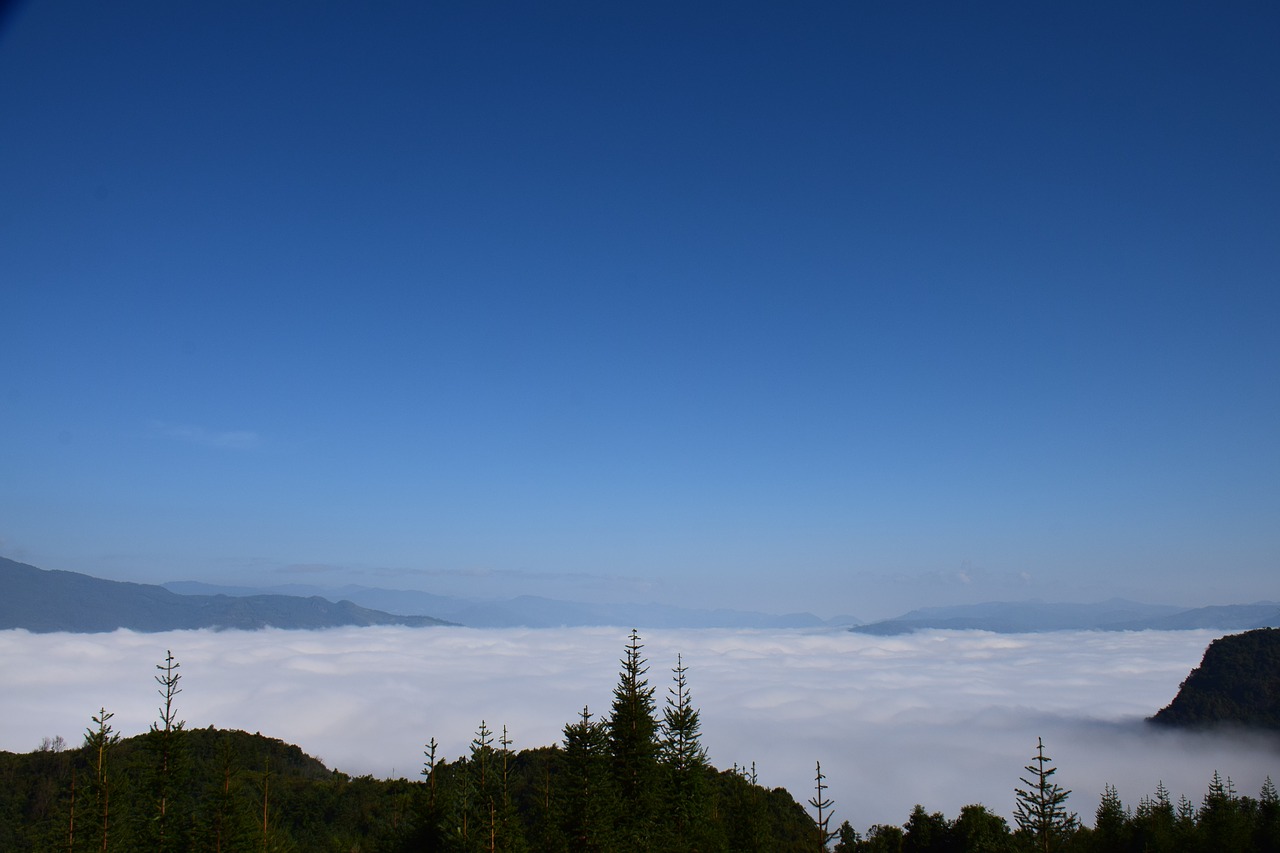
<point>1237,682</point>
<point>38,600</point>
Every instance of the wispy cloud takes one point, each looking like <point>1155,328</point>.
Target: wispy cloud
<point>939,718</point>
<point>231,439</point>
<point>313,569</point>
<point>484,581</point>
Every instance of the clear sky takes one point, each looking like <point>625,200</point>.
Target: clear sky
<point>839,307</point>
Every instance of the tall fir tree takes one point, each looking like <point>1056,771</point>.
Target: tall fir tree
<point>587,798</point>
<point>1266,832</point>
<point>1039,808</point>
<point>634,747</point>
<point>98,743</point>
<point>684,761</point>
<point>166,822</point>
<point>225,825</point>
<point>483,817</point>
<point>822,805</point>
<point>1110,821</point>
<point>1224,821</point>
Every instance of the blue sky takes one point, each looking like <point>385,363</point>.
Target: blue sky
<point>842,308</point>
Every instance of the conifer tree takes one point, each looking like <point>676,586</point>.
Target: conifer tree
<point>427,831</point>
<point>507,836</point>
<point>1222,820</point>
<point>225,825</point>
<point>684,758</point>
<point>1110,822</point>
<point>633,745</point>
<point>681,747</point>
<point>97,745</point>
<point>1152,825</point>
<point>822,805</point>
<point>483,818</point>
<point>1266,832</point>
<point>587,800</point>
<point>482,760</point>
<point>429,771</point>
<point>1039,810</point>
<point>846,839</point>
<point>165,821</point>
<point>267,841</point>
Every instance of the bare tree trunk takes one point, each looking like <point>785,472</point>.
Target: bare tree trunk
<point>71,821</point>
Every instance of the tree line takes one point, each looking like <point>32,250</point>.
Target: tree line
<point>636,778</point>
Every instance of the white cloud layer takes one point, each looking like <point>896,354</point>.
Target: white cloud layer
<point>939,718</point>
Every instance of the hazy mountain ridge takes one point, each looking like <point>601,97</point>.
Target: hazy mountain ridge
<point>1024,617</point>
<point>528,611</point>
<point>42,600</point>
<point>49,600</point>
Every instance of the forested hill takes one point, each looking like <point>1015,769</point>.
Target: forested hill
<point>1237,682</point>
<point>635,779</point>
<point>40,600</point>
<point>229,780</point>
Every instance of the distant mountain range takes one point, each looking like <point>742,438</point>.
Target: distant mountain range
<point>530,611</point>
<point>42,601</point>
<point>1023,617</point>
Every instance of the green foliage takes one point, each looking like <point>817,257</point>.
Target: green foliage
<point>684,767</point>
<point>1039,809</point>
<point>1237,682</point>
<point>165,824</point>
<point>683,757</point>
<point>587,810</point>
<point>926,833</point>
<point>1266,830</point>
<point>979,831</point>
<point>1110,822</point>
<point>846,838</point>
<point>633,746</point>
<point>883,838</point>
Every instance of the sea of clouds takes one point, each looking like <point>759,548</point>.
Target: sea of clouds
<point>942,718</point>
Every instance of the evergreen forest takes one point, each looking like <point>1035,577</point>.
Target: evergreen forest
<point>634,779</point>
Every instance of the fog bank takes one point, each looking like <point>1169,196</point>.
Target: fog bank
<point>940,718</point>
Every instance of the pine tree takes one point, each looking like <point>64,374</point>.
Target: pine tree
<point>1152,825</point>
<point>483,821</point>
<point>1039,810</point>
<point>633,746</point>
<point>846,838</point>
<point>684,759</point>
<point>1110,822</point>
<point>165,822</point>
<point>1266,833</point>
<point>225,827</point>
<point>269,840</point>
<point>97,745</point>
<point>427,830</point>
<point>508,835</point>
<point>1222,822</point>
<point>822,804</point>
<point>428,771</point>
<point>588,797</point>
